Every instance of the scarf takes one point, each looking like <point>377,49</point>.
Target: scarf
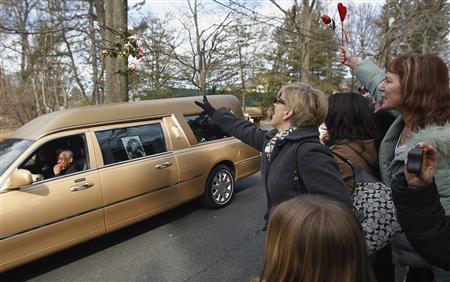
<point>279,136</point>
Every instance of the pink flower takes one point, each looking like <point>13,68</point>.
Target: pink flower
<point>104,53</point>
<point>132,67</point>
<point>139,53</point>
<point>133,39</point>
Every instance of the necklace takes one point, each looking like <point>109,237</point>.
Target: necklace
<point>408,133</point>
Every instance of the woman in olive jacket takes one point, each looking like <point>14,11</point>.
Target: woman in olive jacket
<point>299,110</point>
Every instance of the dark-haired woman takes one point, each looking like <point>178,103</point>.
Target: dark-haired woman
<point>351,134</point>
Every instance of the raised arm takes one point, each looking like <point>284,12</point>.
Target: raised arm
<point>240,128</point>
<point>370,75</point>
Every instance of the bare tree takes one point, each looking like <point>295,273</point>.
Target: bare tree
<point>206,63</point>
<point>301,17</point>
<point>248,40</point>
<point>157,69</point>
<point>363,29</point>
<point>413,26</point>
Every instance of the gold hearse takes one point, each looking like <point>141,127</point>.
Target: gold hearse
<point>130,161</point>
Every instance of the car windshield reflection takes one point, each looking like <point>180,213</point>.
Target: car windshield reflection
<point>10,149</point>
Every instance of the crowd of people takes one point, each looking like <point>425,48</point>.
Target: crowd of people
<point>314,232</point>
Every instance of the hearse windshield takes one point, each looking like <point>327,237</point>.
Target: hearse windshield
<point>10,150</point>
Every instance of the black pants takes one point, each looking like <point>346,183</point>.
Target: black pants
<point>382,265</point>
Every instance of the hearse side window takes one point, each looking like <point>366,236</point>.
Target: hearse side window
<point>204,129</point>
<point>42,161</point>
<point>128,143</point>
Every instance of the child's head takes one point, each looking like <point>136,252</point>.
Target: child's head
<point>311,238</point>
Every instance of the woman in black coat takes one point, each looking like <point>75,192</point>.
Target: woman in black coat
<point>421,214</point>
<point>299,111</point>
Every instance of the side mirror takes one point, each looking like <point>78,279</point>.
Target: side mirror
<point>19,178</point>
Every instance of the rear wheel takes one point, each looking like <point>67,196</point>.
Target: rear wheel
<point>219,188</point>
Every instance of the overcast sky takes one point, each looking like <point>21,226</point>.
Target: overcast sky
<point>161,7</point>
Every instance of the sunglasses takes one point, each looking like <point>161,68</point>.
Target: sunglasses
<point>278,100</point>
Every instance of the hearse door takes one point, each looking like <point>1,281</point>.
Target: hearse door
<point>57,211</point>
<point>137,171</point>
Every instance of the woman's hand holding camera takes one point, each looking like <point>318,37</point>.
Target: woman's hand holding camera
<point>428,167</point>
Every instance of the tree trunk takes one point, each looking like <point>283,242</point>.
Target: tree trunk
<point>24,42</point>
<point>44,100</point>
<point>116,68</point>
<point>305,23</point>
<point>36,97</point>
<point>387,37</point>
<point>242,75</point>
<point>200,46</point>
<point>92,37</point>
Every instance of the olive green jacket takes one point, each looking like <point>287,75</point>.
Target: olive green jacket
<point>437,136</point>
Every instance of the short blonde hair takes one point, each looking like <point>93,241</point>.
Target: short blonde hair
<point>310,105</point>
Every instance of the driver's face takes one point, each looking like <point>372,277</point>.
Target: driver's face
<point>64,161</point>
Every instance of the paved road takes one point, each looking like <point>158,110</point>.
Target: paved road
<point>189,243</point>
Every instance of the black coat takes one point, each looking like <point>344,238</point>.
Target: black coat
<point>317,168</point>
<point>423,220</point>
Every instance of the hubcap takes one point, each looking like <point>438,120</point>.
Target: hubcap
<point>222,187</point>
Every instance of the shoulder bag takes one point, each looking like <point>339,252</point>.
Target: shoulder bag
<point>372,206</point>
<point>374,199</point>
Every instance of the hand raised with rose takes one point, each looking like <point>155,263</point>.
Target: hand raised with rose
<point>346,58</point>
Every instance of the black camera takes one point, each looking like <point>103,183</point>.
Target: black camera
<point>416,161</point>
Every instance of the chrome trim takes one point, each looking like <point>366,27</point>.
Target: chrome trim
<point>94,209</point>
<point>81,187</point>
<point>49,223</point>
<point>31,188</point>
<point>104,123</point>
<point>149,192</point>
<point>136,159</point>
<point>214,141</point>
<point>163,165</point>
<point>248,159</point>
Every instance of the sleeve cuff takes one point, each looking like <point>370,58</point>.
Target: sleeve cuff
<point>404,195</point>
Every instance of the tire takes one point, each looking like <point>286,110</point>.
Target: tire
<point>219,189</point>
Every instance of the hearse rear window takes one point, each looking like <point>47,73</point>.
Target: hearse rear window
<point>204,128</point>
<point>126,143</point>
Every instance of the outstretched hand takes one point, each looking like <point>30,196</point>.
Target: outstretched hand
<point>426,175</point>
<point>346,57</point>
<point>206,106</point>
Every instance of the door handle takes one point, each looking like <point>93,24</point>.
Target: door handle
<point>163,165</point>
<point>81,187</point>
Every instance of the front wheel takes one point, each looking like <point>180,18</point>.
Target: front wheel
<point>219,188</point>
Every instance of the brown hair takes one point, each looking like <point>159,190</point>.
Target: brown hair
<point>310,105</point>
<point>313,239</point>
<point>424,86</point>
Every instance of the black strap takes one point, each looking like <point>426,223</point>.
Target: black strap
<point>359,214</point>
<point>350,163</point>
